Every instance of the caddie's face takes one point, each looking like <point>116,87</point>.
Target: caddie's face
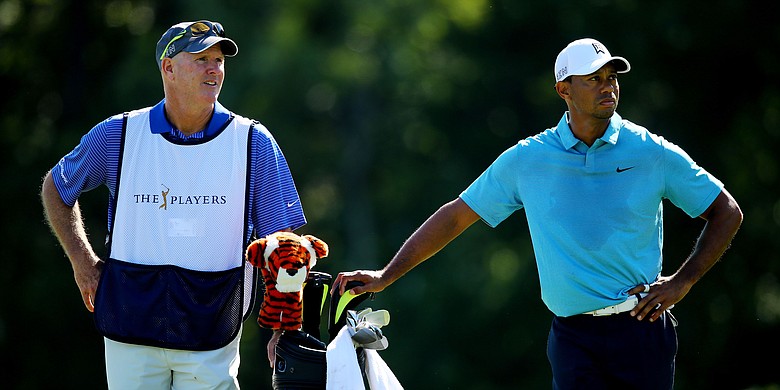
<point>198,77</point>
<point>596,94</point>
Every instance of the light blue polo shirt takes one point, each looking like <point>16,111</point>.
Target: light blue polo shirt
<point>595,214</point>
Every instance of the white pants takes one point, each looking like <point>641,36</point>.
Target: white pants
<point>130,366</point>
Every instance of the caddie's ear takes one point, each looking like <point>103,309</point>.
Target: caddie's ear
<point>320,247</point>
<point>255,252</point>
<point>166,68</point>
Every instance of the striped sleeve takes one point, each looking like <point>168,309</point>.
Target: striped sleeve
<point>275,204</point>
<point>93,162</point>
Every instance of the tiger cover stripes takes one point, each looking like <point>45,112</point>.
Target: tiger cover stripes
<point>284,259</point>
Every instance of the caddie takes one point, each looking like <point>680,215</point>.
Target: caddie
<point>190,184</point>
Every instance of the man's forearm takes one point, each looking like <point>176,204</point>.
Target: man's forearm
<point>723,221</point>
<point>67,225</point>
<point>440,229</point>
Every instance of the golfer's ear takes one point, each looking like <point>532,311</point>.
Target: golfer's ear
<point>562,88</point>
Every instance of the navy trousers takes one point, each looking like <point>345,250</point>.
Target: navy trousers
<point>612,352</point>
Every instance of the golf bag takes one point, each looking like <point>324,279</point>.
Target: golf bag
<point>301,355</point>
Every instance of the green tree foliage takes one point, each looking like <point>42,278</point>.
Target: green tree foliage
<point>385,110</point>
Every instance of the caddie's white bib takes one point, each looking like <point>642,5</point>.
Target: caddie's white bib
<point>176,276</point>
<point>181,205</point>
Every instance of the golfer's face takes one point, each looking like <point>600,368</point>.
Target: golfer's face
<point>596,94</point>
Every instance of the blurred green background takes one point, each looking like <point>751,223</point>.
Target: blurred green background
<point>385,110</point>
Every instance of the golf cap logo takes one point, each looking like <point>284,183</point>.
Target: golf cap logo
<point>171,50</point>
<point>598,48</point>
<point>562,73</point>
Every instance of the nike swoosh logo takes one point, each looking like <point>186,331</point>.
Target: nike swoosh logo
<point>291,204</point>
<point>619,169</point>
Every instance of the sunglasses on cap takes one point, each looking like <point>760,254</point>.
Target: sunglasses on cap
<point>194,30</point>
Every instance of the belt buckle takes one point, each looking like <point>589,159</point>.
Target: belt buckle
<point>632,301</point>
<point>606,311</point>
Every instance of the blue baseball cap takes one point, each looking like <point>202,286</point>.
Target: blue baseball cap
<point>194,37</point>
